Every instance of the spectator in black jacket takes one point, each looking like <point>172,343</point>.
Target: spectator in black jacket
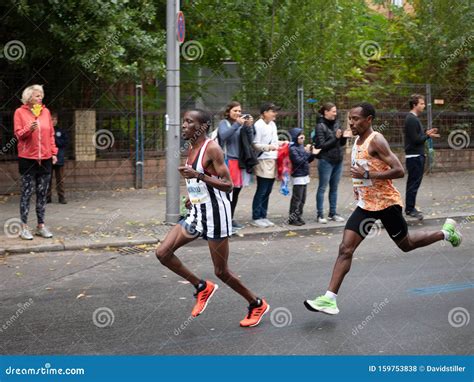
<point>300,157</point>
<point>61,139</point>
<point>329,138</point>
<point>415,152</point>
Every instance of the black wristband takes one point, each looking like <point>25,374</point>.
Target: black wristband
<point>201,176</point>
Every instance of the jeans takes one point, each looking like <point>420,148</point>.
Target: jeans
<point>298,199</point>
<point>415,168</point>
<point>328,174</point>
<point>261,197</point>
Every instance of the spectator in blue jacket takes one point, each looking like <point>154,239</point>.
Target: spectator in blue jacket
<point>61,139</point>
<point>300,157</point>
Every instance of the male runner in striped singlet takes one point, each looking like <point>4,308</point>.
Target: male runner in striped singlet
<point>373,167</point>
<point>209,188</point>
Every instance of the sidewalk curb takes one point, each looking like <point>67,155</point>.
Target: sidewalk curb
<point>77,245</point>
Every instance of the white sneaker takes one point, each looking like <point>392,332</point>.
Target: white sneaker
<point>321,220</point>
<point>269,223</point>
<point>44,232</point>
<point>25,234</point>
<point>260,223</point>
<point>337,218</point>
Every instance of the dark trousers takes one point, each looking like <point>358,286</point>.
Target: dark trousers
<point>415,168</point>
<point>261,197</point>
<point>235,199</point>
<point>298,199</point>
<point>58,172</point>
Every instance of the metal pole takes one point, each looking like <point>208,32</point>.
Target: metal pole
<point>428,106</point>
<point>300,93</point>
<point>142,139</point>
<point>429,112</point>
<point>137,137</point>
<point>173,113</point>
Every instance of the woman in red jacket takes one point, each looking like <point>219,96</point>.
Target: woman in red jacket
<point>36,154</point>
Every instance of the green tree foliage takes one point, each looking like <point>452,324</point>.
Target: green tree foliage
<point>340,49</point>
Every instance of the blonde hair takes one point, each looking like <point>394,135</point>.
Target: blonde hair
<point>28,93</point>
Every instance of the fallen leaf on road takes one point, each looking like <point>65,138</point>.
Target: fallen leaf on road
<point>132,297</point>
<point>80,295</point>
<point>291,233</point>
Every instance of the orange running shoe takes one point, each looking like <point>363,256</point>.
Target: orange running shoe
<point>203,298</point>
<point>255,314</point>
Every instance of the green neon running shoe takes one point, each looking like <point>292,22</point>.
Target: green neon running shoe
<point>455,237</point>
<point>322,304</point>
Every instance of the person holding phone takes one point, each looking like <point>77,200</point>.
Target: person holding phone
<point>228,135</point>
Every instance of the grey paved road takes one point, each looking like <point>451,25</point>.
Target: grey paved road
<point>110,303</point>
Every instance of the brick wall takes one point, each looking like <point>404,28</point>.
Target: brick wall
<point>114,173</point>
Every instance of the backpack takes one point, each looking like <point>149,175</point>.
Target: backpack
<point>284,168</point>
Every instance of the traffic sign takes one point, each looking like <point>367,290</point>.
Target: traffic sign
<point>180,27</point>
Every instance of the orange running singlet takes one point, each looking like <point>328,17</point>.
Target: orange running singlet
<point>372,194</point>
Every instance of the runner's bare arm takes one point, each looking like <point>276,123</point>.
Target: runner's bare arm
<point>213,160</point>
<point>379,148</point>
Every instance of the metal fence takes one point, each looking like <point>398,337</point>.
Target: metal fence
<point>115,113</point>
<point>122,126</point>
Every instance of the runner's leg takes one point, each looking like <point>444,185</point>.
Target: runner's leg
<point>350,241</point>
<point>220,254</point>
<point>175,239</point>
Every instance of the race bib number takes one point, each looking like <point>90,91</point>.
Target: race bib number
<point>197,191</point>
<point>361,182</point>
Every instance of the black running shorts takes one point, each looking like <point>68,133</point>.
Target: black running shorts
<point>361,221</point>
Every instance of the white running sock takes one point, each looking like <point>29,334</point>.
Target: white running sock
<point>331,295</point>
<point>446,234</point>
